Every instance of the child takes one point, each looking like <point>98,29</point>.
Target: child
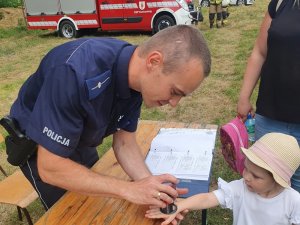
<point>263,196</point>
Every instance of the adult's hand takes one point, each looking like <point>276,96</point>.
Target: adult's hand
<point>244,107</point>
<point>182,191</point>
<point>152,191</point>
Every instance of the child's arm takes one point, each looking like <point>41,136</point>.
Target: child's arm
<point>196,202</point>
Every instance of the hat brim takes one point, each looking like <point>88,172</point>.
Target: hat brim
<point>259,162</point>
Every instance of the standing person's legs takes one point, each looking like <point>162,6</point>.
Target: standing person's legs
<point>219,15</point>
<point>295,180</point>
<point>225,15</point>
<point>212,13</point>
<point>264,125</point>
<point>48,194</point>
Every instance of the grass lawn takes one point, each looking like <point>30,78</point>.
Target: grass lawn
<point>213,103</point>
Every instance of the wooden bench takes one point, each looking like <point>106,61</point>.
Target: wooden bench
<point>74,208</point>
<point>16,190</point>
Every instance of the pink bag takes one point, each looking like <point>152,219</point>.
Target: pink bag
<point>234,136</point>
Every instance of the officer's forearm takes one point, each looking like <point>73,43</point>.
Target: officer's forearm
<point>69,175</point>
<point>133,163</point>
<point>129,155</point>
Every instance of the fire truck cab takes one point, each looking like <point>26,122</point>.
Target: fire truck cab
<point>71,17</point>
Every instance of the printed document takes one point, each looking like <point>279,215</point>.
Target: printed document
<point>183,152</point>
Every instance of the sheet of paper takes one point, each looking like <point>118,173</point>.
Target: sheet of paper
<point>185,153</point>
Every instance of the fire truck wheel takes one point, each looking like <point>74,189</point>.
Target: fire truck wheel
<point>68,30</point>
<point>163,22</point>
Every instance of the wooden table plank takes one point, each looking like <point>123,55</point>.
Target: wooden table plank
<point>74,208</point>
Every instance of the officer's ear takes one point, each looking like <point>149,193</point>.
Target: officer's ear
<point>154,60</point>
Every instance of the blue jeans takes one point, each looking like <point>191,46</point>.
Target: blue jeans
<point>265,125</point>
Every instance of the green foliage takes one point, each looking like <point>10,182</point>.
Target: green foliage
<point>19,31</point>
<point>152,114</point>
<point>10,3</point>
<point>105,146</point>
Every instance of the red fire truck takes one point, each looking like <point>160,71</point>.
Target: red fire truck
<point>71,17</point>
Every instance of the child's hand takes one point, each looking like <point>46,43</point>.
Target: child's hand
<point>155,213</point>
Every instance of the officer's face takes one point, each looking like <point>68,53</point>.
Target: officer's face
<point>160,89</point>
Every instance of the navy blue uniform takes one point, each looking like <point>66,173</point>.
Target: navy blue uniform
<point>78,95</point>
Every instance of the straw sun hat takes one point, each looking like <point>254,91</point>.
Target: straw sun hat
<point>277,153</point>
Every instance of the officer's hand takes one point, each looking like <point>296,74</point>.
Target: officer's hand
<point>152,191</point>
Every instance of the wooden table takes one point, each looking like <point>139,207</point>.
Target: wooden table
<point>74,208</point>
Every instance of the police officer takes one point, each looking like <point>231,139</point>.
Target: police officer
<point>87,89</point>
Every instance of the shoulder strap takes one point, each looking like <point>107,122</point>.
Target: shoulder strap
<point>238,133</point>
<point>278,4</point>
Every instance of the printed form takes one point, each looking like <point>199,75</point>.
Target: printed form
<point>183,152</point>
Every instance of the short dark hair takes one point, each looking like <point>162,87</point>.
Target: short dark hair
<point>179,44</point>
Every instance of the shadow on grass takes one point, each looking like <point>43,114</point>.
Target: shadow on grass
<point>99,33</point>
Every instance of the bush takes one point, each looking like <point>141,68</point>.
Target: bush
<point>10,3</point>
